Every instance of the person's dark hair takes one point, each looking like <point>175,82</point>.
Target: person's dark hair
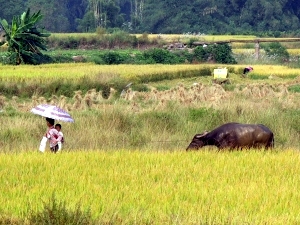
<point>51,121</point>
<point>58,125</point>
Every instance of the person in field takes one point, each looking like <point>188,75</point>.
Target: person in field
<point>52,135</point>
<point>58,128</point>
<point>247,70</point>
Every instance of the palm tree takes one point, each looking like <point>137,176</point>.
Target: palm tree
<point>24,40</point>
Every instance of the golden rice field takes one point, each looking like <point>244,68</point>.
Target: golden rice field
<point>175,37</point>
<point>72,71</point>
<point>292,52</point>
<point>134,187</point>
<point>150,185</point>
<point>295,52</point>
<point>170,37</point>
<point>77,71</point>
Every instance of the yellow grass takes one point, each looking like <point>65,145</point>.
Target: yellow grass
<point>295,52</point>
<point>76,71</point>
<point>65,35</point>
<point>292,52</point>
<point>167,37</point>
<point>244,51</point>
<point>72,71</point>
<point>275,70</point>
<point>161,187</point>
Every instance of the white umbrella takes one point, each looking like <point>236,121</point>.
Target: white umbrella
<point>53,112</point>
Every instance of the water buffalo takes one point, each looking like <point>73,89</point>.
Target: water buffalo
<point>235,136</point>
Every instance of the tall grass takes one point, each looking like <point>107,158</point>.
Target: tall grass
<point>134,187</point>
<point>149,124</point>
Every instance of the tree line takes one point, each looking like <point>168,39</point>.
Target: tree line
<point>265,17</point>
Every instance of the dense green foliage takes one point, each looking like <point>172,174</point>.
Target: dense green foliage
<point>220,53</point>
<point>277,51</point>
<point>24,40</point>
<point>264,17</point>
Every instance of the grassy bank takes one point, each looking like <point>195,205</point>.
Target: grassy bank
<point>134,187</point>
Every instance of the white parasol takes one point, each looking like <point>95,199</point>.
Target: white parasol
<point>53,112</point>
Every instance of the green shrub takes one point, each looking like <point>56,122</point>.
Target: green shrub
<point>112,57</point>
<point>157,55</point>
<point>200,54</point>
<point>220,53</point>
<point>56,212</point>
<point>277,51</point>
<point>184,56</point>
<point>97,60</point>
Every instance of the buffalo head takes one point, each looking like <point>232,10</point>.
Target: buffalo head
<point>197,142</point>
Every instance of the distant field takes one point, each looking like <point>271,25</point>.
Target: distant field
<point>134,187</point>
<point>292,52</point>
<point>165,36</point>
<point>75,71</point>
<point>175,37</point>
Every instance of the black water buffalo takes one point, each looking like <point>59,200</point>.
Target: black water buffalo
<point>235,136</point>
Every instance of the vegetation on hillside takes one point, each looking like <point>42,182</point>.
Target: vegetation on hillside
<point>260,17</point>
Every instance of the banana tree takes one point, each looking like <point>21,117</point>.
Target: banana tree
<point>23,38</point>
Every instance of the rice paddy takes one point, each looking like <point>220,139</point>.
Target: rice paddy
<point>134,187</point>
<point>76,71</point>
<point>124,157</point>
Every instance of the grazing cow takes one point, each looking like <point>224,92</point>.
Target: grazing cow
<point>235,136</point>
